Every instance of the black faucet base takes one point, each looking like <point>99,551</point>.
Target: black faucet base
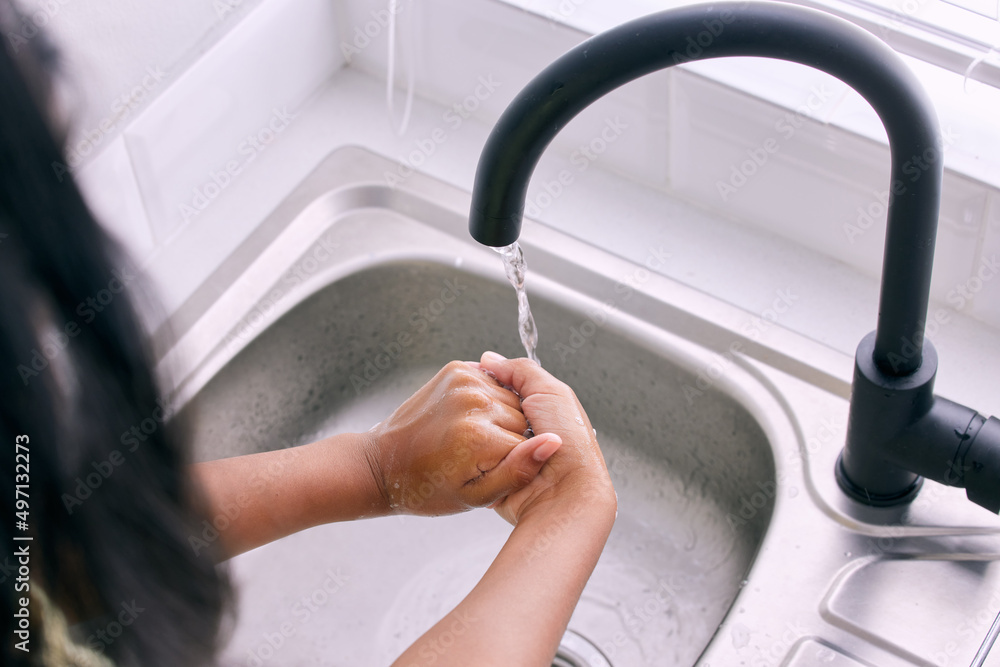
<point>899,432</point>
<point>866,497</point>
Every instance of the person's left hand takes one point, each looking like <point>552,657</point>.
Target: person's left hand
<point>457,443</point>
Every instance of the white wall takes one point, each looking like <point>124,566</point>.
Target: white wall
<point>121,54</point>
<point>163,96</point>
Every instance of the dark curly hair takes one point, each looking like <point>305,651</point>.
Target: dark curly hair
<point>110,522</point>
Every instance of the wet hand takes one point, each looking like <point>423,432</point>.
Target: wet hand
<point>575,474</point>
<point>457,443</point>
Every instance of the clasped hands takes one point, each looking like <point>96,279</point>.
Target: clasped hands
<point>459,443</point>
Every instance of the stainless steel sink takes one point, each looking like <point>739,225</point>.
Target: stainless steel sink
<point>732,545</point>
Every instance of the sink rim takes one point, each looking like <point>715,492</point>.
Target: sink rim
<point>663,345</point>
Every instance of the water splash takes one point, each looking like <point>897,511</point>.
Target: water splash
<point>516,269</point>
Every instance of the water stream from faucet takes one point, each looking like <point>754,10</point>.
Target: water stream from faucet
<point>516,269</point>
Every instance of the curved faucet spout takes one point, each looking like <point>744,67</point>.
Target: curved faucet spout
<point>764,29</point>
<point>897,429</point>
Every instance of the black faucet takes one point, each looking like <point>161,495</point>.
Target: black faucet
<point>898,431</point>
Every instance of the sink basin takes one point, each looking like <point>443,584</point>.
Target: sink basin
<point>732,542</point>
<point>333,364</point>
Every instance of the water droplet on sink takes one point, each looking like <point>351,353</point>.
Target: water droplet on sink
<point>792,491</point>
<point>741,635</point>
<point>458,262</point>
<point>847,553</point>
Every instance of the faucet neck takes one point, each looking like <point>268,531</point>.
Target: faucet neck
<point>765,29</point>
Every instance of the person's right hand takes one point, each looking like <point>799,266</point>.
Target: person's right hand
<point>576,473</point>
<point>457,443</point>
